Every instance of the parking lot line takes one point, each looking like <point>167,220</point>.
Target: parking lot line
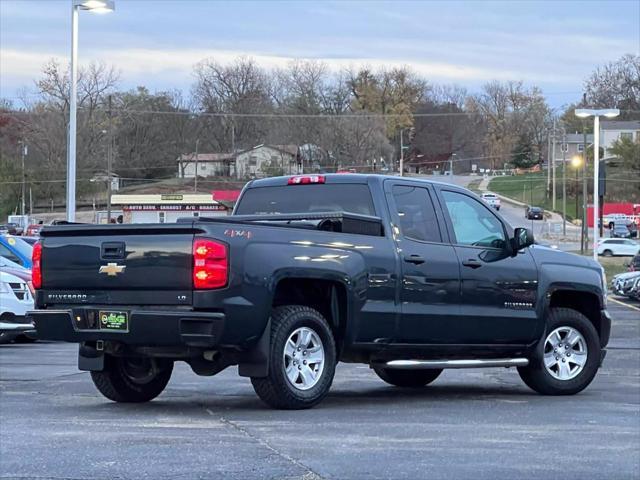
<point>633,307</point>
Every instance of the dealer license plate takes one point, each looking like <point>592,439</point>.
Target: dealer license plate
<point>114,321</point>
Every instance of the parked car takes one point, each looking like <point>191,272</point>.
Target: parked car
<point>11,228</point>
<point>15,300</point>
<point>15,249</point>
<point>30,240</point>
<point>310,270</point>
<point>534,213</point>
<point>625,284</point>
<point>33,230</point>
<point>610,247</point>
<point>491,199</point>
<point>612,219</point>
<point>634,264</point>
<point>620,230</point>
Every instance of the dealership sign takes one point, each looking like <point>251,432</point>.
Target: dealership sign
<point>173,208</point>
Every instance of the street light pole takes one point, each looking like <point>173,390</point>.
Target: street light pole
<point>609,113</point>
<point>98,6</point>
<point>71,142</point>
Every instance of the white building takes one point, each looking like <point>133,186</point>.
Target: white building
<point>612,130</point>
<point>166,208</point>
<point>207,164</point>
<point>267,160</point>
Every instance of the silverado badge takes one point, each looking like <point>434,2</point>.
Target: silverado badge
<point>111,269</point>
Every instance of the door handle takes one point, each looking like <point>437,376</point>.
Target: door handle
<point>472,263</point>
<point>417,259</point>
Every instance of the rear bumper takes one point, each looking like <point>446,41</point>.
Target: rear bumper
<point>146,327</point>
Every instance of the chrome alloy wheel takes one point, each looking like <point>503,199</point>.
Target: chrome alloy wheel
<point>303,358</point>
<point>565,353</point>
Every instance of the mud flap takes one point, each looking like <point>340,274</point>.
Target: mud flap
<point>91,357</point>
<point>256,362</point>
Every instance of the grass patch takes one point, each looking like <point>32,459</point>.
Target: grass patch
<point>474,184</point>
<point>532,190</point>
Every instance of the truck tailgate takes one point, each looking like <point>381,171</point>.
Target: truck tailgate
<point>110,258</point>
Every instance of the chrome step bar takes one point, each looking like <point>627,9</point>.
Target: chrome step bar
<point>426,364</point>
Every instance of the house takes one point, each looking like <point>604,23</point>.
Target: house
<point>207,165</point>
<point>613,130</point>
<point>574,145</point>
<point>166,208</point>
<point>267,160</point>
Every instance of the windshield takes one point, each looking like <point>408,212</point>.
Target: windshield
<point>343,197</point>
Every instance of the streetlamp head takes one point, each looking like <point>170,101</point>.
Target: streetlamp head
<point>576,161</point>
<point>604,112</point>
<point>96,6</point>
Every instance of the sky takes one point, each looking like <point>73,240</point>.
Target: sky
<point>552,44</point>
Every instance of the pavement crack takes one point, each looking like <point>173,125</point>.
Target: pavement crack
<point>309,475</point>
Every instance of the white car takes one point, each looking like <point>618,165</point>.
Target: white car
<point>15,301</point>
<point>609,247</point>
<point>491,199</point>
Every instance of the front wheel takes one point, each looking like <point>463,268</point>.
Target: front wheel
<point>302,359</point>
<point>568,358</point>
<point>407,378</point>
<point>132,379</point>
<point>607,253</point>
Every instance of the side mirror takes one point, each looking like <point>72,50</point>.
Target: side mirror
<point>522,238</point>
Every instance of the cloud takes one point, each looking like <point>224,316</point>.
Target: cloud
<point>175,67</point>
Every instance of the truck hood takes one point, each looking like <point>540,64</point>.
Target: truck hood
<point>543,255</point>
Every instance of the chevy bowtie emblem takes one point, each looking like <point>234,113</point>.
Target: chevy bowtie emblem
<point>112,269</point>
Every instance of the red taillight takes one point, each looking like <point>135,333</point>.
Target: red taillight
<point>305,179</point>
<point>210,264</point>
<point>36,268</point>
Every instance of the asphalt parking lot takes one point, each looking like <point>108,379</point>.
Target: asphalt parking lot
<point>469,424</point>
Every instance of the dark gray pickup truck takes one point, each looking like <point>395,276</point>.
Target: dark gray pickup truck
<point>407,276</point>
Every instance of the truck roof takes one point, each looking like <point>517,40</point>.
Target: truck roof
<point>340,178</point>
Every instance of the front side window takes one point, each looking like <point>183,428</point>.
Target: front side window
<point>473,223</point>
<point>417,216</point>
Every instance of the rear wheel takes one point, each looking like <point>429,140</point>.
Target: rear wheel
<point>132,379</point>
<point>407,378</point>
<point>568,358</point>
<point>302,359</point>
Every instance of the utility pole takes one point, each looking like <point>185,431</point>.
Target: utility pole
<point>23,152</point>
<point>109,160</point>
<point>564,183</point>
<point>451,165</point>
<point>195,183</point>
<point>584,237</point>
<point>401,154</point>
<point>548,163</point>
<point>553,167</point>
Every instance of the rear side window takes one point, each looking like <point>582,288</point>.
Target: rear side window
<point>336,197</point>
<point>417,216</point>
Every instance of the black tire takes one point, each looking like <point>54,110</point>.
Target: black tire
<point>129,380</point>
<point>276,390</point>
<point>536,376</point>
<point>407,378</point>
<point>607,253</point>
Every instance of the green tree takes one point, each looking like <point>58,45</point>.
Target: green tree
<point>628,151</point>
<point>522,154</point>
